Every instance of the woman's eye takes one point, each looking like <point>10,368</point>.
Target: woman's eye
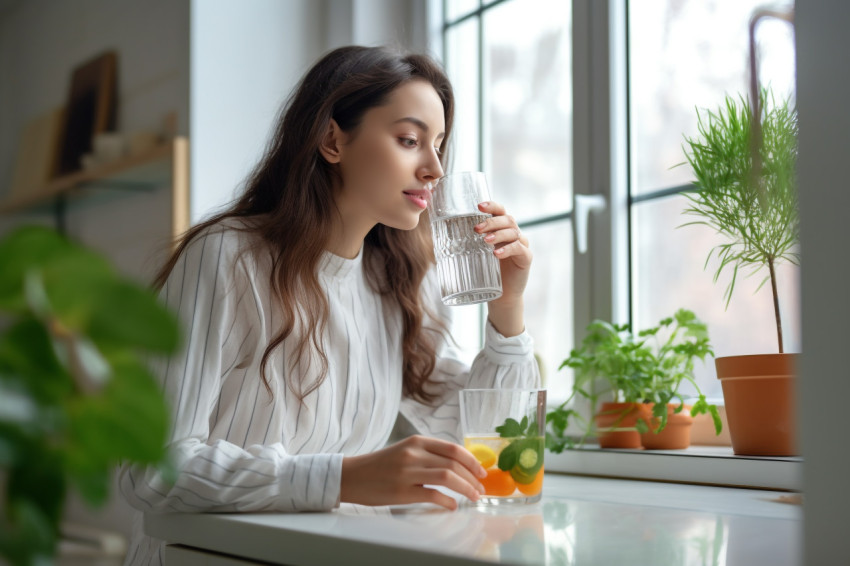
<point>408,142</point>
<point>437,149</point>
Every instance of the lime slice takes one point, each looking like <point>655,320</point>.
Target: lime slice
<point>521,477</point>
<point>528,459</point>
<point>484,454</point>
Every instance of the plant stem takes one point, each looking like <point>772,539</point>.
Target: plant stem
<point>772,269</point>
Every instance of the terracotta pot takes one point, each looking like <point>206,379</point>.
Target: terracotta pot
<point>703,433</point>
<point>616,425</point>
<point>676,434</point>
<point>759,394</point>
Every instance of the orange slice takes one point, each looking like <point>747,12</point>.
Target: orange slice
<point>498,483</point>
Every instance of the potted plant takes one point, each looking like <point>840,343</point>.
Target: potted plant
<point>75,397</point>
<point>754,207</point>
<point>641,374</point>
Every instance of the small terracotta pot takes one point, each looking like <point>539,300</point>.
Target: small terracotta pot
<point>676,435</point>
<point>703,432</point>
<point>759,395</point>
<point>616,424</point>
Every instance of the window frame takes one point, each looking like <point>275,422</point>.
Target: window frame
<point>602,276</point>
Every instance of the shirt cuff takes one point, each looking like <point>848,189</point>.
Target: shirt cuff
<point>334,480</point>
<point>315,482</point>
<point>504,351</point>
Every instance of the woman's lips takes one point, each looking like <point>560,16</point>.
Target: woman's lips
<point>419,197</point>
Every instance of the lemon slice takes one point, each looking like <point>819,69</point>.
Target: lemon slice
<point>484,454</point>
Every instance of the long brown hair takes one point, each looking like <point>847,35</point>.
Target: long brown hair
<point>288,200</point>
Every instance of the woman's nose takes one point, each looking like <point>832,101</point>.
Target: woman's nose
<point>432,169</point>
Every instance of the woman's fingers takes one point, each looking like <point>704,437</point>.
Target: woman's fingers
<point>448,479</point>
<point>502,231</point>
<point>497,221</point>
<point>505,235</point>
<point>520,253</point>
<point>455,453</point>
<point>452,466</point>
<point>397,474</point>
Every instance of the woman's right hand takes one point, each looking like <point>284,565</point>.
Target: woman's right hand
<point>398,474</point>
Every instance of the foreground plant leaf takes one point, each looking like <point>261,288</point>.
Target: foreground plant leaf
<point>77,399</point>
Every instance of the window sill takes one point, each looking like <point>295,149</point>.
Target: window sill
<point>707,465</point>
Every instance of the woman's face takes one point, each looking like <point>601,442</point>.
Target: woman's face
<point>387,162</point>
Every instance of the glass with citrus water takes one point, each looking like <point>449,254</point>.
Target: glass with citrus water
<point>504,430</point>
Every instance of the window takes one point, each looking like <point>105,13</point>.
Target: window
<point>510,64</point>
<point>560,99</point>
<point>665,39</point>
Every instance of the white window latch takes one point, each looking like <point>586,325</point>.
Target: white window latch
<point>582,207</point>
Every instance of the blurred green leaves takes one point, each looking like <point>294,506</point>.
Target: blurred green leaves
<point>75,397</point>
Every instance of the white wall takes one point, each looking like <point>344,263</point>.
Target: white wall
<point>823,81</point>
<point>246,58</point>
<point>41,42</point>
<point>377,22</point>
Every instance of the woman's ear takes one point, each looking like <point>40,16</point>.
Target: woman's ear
<point>331,144</point>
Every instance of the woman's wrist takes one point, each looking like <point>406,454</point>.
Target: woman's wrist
<point>349,465</point>
<point>506,315</point>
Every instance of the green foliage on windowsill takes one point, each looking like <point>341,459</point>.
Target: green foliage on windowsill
<point>75,396</point>
<point>754,208</point>
<point>647,367</point>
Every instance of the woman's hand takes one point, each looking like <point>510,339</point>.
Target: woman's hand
<point>501,230</point>
<point>397,474</point>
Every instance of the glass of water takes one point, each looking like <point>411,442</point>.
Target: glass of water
<point>505,430</point>
<point>468,271</point>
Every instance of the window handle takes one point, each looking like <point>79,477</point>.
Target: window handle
<point>582,207</point>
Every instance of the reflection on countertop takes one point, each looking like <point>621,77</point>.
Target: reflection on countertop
<point>579,521</point>
<point>602,521</point>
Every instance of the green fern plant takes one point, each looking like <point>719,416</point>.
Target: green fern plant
<point>75,396</point>
<point>755,211</point>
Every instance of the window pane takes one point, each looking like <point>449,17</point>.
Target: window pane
<point>528,106</point>
<point>549,301</point>
<point>685,54</point>
<point>462,63</point>
<point>668,274</point>
<point>458,8</point>
<point>462,67</point>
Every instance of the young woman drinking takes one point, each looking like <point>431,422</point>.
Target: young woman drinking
<point>312,318</point>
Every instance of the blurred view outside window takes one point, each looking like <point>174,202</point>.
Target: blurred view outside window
<point>510,65</point>
<point>684,55</point>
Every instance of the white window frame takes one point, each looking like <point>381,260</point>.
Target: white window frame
<point>601,276</point>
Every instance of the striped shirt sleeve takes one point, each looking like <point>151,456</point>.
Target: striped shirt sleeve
<point>222,323</point>
<point>502,363</point>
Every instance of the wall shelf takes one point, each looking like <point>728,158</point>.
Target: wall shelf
<point>167,163</point>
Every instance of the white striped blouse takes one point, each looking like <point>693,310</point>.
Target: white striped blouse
<point>239,449</point>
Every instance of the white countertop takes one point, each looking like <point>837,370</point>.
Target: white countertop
<point>579,521</point>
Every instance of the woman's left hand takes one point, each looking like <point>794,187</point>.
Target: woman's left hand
<point>511,247</point>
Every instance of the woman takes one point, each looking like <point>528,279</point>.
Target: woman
<point>312,317</point>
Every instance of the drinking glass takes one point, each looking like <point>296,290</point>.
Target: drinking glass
<point>505,430</point>
<point>468,271</point>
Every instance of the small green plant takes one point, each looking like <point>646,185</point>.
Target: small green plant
<point>648,367</point>
<point>75,398</point>
<point>756,211</point>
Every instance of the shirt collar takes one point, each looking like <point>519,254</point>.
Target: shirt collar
<point>338,267</point>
